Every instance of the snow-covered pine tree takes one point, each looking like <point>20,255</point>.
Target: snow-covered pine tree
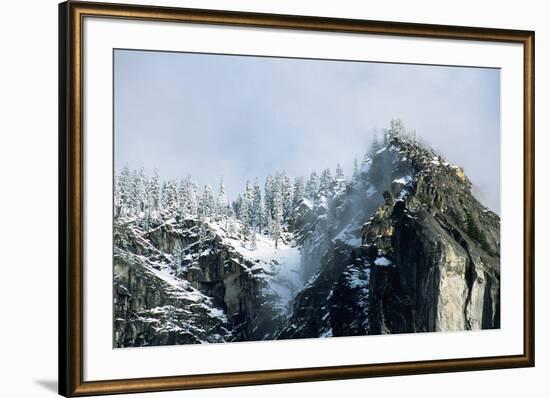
<point>139,191</point>
<point>286,197</point>
<point>299,192</point>
<point>206,204</point>
<point>143,198</point>
<point>170,195</point>
<point>134,192</point>
<point>257,208</point>
<point>246,211</point>
<point>312,186</point>
<point>117,203</point>
<point>192,192</point>
<point>125,188</point>
<point>339,179</point>
<point>397,129</point>
<point>236,205</point>
<point>164,196</point>
<point>277,216</point>
<point>222,204</point>
<point>182,198</point>
<point>337,200</point>
<point>154,193</point>
<point>263,222</point>
<point>298,196</point>
<point>326,182</point>
<point>268,196</point>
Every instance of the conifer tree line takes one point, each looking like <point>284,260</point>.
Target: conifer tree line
<point>262,208</point>
<point>270,207</point>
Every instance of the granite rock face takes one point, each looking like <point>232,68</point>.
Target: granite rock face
<point>443,251</point>
<point>207,292</point>
<point>429,258</point>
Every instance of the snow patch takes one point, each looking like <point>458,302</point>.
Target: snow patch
<point>383,261</point>
<point>281,265</point>
<point>403,180</point>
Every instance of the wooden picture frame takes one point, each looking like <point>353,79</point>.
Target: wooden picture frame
<point>71,237</point>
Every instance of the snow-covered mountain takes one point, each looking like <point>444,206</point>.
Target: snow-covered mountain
<point>402,246</point>
<point>428,257</point>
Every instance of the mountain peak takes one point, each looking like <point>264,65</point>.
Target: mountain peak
<point>404,246</point>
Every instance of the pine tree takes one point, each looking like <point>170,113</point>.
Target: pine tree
<point>222,204</point>
<point>397,129</point>
<point>154,192</point>
<point>246,211</point>
<point>277,217</point>
<point>125,183</point>
<point>299,192</point>
<point>164,196</point>
<point>262,221</point>
<point>182,197</point>
<point>298,196</point>
<point>268,196</point>
<point>206,205</point>
<point>192,193</point>
<point>286,196</point>
<point>257,207</point>
<point>339,179</point>
<point>134,188</point>
<point>325,182</point>
<point>141,185</point>
<point>117,203</point>
<point>169,195</point>
<point>312,186</point>
<point>236,205</point>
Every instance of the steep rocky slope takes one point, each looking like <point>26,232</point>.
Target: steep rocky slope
<point>183,281</point>
<point>428,258</point>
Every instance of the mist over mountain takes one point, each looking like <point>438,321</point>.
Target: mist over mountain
<point>400,246</point>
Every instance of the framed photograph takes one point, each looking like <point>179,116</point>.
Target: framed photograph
<point>251,198</point>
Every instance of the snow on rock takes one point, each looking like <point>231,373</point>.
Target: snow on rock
<point>403,180</point>
<point>281,267</point>
<point>350,235</point>
<point>383,262</point>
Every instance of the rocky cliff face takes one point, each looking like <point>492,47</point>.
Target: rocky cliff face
<point>182,281</point>
<point>428,258</point>
<point>442,249</point>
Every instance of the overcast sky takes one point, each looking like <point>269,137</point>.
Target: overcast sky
<point>243,117</point>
